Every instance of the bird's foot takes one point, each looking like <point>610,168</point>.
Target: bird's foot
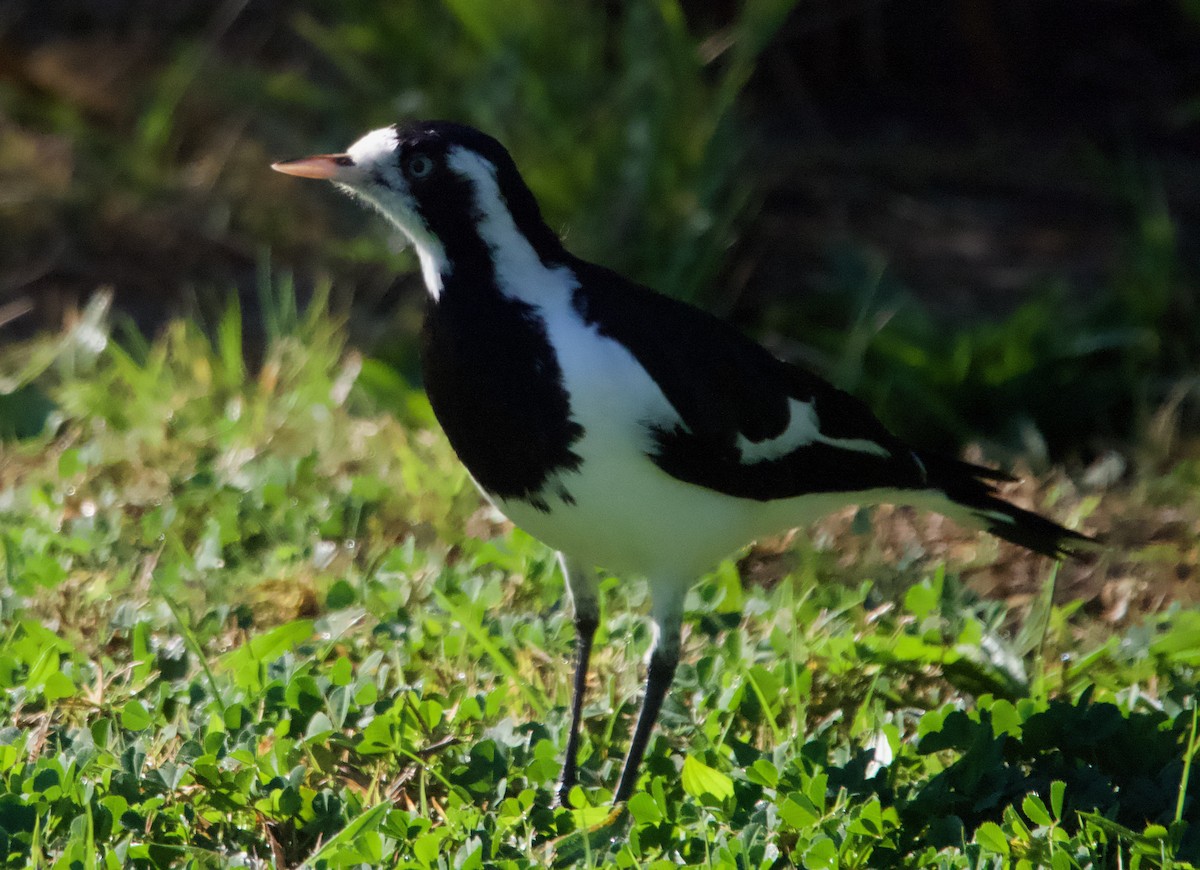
<point>599,833</point>
<point>562,793</point>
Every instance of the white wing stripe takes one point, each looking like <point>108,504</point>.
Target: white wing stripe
<point>803,428</point>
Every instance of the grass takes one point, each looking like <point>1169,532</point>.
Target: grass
<point>255,618</point>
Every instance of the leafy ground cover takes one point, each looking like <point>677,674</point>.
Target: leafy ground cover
<point>259,618</point>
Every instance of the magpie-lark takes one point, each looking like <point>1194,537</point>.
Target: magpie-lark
<point>627,430</point>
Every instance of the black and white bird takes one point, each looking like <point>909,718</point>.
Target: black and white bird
<point>625,429</point>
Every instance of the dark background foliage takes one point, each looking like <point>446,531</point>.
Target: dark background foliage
<point>981,216</point>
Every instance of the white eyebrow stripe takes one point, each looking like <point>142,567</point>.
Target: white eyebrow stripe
<point>374,148</point>
<point>803,428</point>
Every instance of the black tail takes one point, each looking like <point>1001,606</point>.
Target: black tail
<point>973,487</point>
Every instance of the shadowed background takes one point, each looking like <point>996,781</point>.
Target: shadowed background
<point>979,216</point>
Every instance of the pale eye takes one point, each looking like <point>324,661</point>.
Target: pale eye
<point>420,166</point>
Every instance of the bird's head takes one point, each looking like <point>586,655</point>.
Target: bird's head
<point>454,192</point>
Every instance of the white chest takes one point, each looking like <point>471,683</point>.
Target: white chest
<point>624,513</point>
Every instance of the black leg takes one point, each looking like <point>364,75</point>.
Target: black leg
<point>581,584</point>
<point>664,656</point>
<point>658,680</point>
<point>585,631</point>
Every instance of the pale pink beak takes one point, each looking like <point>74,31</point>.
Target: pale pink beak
<point>321,166</point>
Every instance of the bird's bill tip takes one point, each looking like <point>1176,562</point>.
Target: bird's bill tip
<point>319,166</point>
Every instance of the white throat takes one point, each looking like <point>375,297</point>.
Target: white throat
<point>433,265</point>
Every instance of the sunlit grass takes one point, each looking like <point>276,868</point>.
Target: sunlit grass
<point>243,621</point>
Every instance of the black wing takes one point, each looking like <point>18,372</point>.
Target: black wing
<point>726,387</point>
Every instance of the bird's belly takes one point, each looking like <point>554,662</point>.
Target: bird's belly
<point>616,508</point>
<point>628,516</point>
